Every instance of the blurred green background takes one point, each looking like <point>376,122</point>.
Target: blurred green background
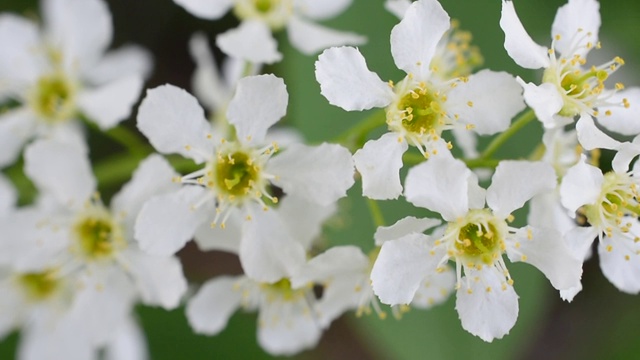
<point>600,323</point>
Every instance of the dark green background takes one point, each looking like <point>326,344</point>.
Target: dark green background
<point>600,323</point>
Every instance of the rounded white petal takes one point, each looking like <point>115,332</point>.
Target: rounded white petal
<point>546,102</point>
<point>304,218</point>
<point>545,210</point>
<point>519,45</point>
<point>397,7</point>
<point>488,308</point>
<point>622,120</point>
<point>477,194</point>
<point>174,122</point>
<point>259,102</point>
<point>435,289</point>
<point>251,41</point>
<point>268,253</point>
<point>71,133</point>
<point>293,330</point>
<point>627,151</point>
<point>110,104</point>
<point>80,29</point>
<point>207,85</point>
<point>16,128</point>
<point>414,39</point>
<point>311,38</point>
<point>216,238</point>
<point>158,279</point>
<point>321,174</point>
<point>210,309</point>
<point>122,62</point>
<point>346,81</point>
<point>379,163</point>
<point>18,38</point>
<point>403,227</point>
<point>580,186</point>
<point>515,182</point>
<point>620,262</point>
<point>8,195</point>
<point>128,343</point>
<point>335,263</point>
<point>206,9</point>
<point>440,184</point>
<point>166,222</point>
<point>400,267</point>
<point>546,250</point>
<point>321,10</point>
<point>591,137</point>
<point>61,171</point>
<point>579,240</point>
<point>577,19</point>
<point>489,100</point>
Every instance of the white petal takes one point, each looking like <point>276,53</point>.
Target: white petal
<point>495,98</point>
<point>259,102</point>
<point>293,331</point>
<point>622,120</point>
<point>216,238</point>
<point>400,267</point>
<point>122,62</point>
<point>11,307</point>
<point>580,186</point>
<point>440,184</point>
<point>128,343</point>
<point>488,308</point>
<point>467,141</point>
<point>152,177</point>
<point>579,240</point>
<point>304,219</point>
<point>613,254</point>
<point>627,151</point>
<point>166,222</point>
<point>546,250</point>
<point>80,29</point>
<point>174,122</point>
<point>435,289</point>
<point>577,19</point>
<point>545,100</point>
<point>591,137</point>
<point>60,170</point>
<point>16,128</point>
<point>545,210</point>
<point>477,194</point>
<point>397,7</point>
<point>8,196</point>
<point>379,163</point>
<point>321,174</point>
<point>332,264</point>
<point>414,39</point>
<point>207,85</point>
<point>515,182</point>
<point>346,292</point>
<point>321,10</point>
<point>267,252</point>
<point>403,227</point>
<point>519,45</point>
<point>251,41</point>
<point>111,103</point>
<point>71,133</point>
<point>346,81</point>
<point>206,9</point>
<point>310,38</point>
<point>18,39</point>
<point>210,309</point>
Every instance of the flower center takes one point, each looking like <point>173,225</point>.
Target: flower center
<point>275,13</point>
<point>618,199</point>
<point>236,174</point>
<point>98,236</point>
<point>478,238</point>
<point>39,286</point>
<point>282,290</point>
<point>53,98</point>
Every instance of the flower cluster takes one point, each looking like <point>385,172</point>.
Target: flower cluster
<point>219,168</point>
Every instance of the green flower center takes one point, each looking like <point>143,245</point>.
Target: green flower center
<point>275,13</point>
<point>39,286</point>
<point>618,199</point>
<point>53,98</point>
<point>422,111</point>
<point>236,174</point>
<point>98,237</point>
<point>479,238</point>
<point>282,289</point>
<point>264,6</point>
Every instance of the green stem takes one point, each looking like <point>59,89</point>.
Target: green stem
<point>376,213</point>
<point>499,140</point>
<point>355,136</point>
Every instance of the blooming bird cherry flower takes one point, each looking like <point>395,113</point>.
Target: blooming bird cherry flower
<point>569,88</point>
<point>609,204</point>
<point>421,106</point>
<point>62,71</point>
<point>252,40</point>
<point>475,238</point>
<point>235,183</point>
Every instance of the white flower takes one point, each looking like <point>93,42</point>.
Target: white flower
<point>475,238</point>
<point>609,202</point>
<point>569,88</point>
<point>253,41</point>
<point>62,71</point>
<point>235,182</point>
<point>421,106</point>
<point>8,196</point>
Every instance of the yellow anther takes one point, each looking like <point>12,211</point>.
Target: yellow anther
<point>609,248</point>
